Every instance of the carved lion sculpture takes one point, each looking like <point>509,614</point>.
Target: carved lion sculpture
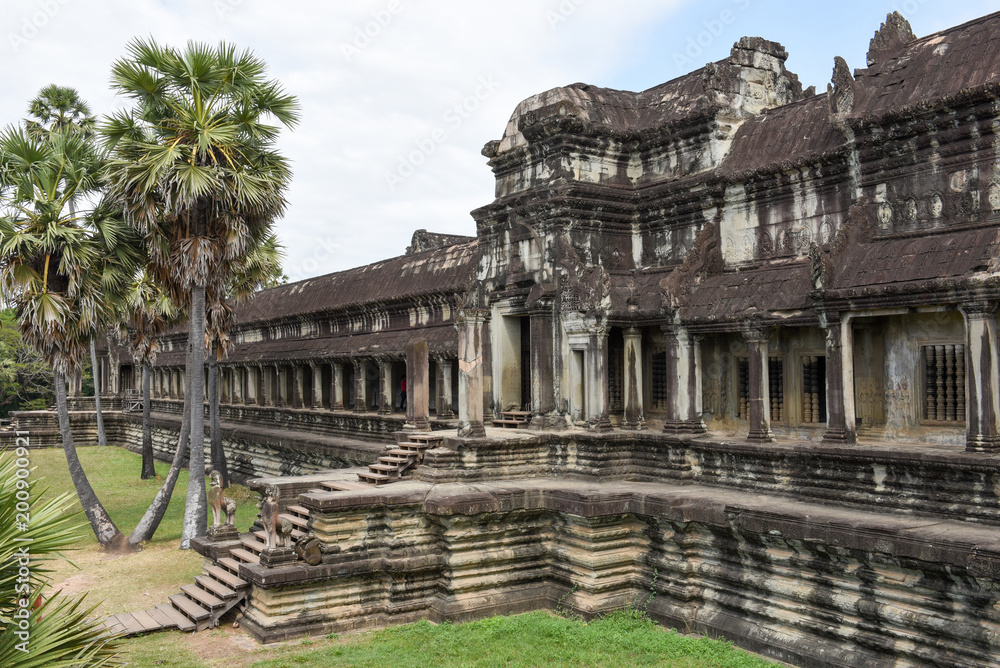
<point>219,502</point>
<point>269,515</point>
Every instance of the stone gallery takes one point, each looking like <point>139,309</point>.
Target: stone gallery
<point>726,343</point>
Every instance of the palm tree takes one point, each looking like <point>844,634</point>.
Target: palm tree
<point>194,167</point>
<point>260,267</point>
<point>62,631</point>
<point>146,312</point>
<point>59,109</point>
<point>45,253</point>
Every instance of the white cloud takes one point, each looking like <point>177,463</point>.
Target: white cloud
<point>365,108</point>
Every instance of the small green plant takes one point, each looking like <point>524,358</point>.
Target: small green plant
<point>560,610</point>
<point>332,636</point>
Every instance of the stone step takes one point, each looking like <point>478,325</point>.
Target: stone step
<point>252,544</point>
<point>178,618</point>
<point>214,587</point>
<point>232,566</point>
<point>202,597</point>
<point>244,556</point>
<point>399,452</point>
<point>301,511</point>
<point>508,424</point>
<point>397,459</point>
<point>374,478</point>
<point>427,439</point>
<point>191,609</point>
<point>343,485</point>
<point>391,469</point>
<point>226,578</point>
<point>296,520</point>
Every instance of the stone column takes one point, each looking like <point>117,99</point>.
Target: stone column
<point>982,377</point>
<point>385,403</point>
<point>173,383</point>
<point>840,423</point>
<point>634,415</point>
<point>683,377</point>
<point>317,389</point>
<point>252,385</point>
<point>758,386</point>
<point>470,373</point>
<point>268,385</point>
<point>337,391</point>
<point>543,402</point>
<point>298,386</point>
<point>444,407</point>
<point>418,386</point>
<point>360,398</point>
<point>596,384</point>
<point>233,398</point>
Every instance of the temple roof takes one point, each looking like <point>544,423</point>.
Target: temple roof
<point>781,288</point>
<point>924,70</point>
<point>441,270</point>
<point>783,137</point>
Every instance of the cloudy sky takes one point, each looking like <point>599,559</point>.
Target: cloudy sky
<point>399,96</point>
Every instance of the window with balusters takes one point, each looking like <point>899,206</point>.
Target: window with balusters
<point>944,383</point>
<point>776,387</point>
<point>813,389</point>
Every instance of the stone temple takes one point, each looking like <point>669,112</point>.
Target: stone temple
<point>726,339</point>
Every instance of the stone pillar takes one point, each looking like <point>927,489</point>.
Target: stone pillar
<point>683,377</point>
<point>317,388</point>
<point>470,373</point>
<point>385,402</point>
<point>758,387</point>
<point>444,407</point>
<point>597,380</point>
<point>337,391</point>
<point>171,385</point>
<point>634,415</point>
<point>252,385</point>
<point>543,402</point>
<point>270,385</point>
<point>298,386</point>
<point>982,377</point>
<point>840,423</point>
<point>418,386</point>
<point>233,398</point>
<point>360,398</point>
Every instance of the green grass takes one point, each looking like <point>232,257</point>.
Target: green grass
<point>623,638</point>
<point>114,474</point>
<point>145,579</point>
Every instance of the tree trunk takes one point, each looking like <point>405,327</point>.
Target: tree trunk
<point>218,455</point>
<point>102,438</point>
<point>104,528</point>
<point>196,508</point>
<point>148,467</point>
<point>150,521</point>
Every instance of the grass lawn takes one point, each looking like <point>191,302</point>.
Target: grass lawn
<point>144,579</point>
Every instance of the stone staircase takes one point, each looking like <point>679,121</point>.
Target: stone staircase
<point>219,589</point>
<point>407,452</point>
<point>198,606</point>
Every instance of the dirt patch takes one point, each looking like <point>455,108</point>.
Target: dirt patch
<point>75,584</point>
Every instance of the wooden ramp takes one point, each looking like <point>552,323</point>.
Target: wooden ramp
<point>198,606</point>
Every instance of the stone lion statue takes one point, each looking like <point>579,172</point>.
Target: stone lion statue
<point>219,502</point>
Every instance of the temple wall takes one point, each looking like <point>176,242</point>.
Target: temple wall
<point>796,582</point>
